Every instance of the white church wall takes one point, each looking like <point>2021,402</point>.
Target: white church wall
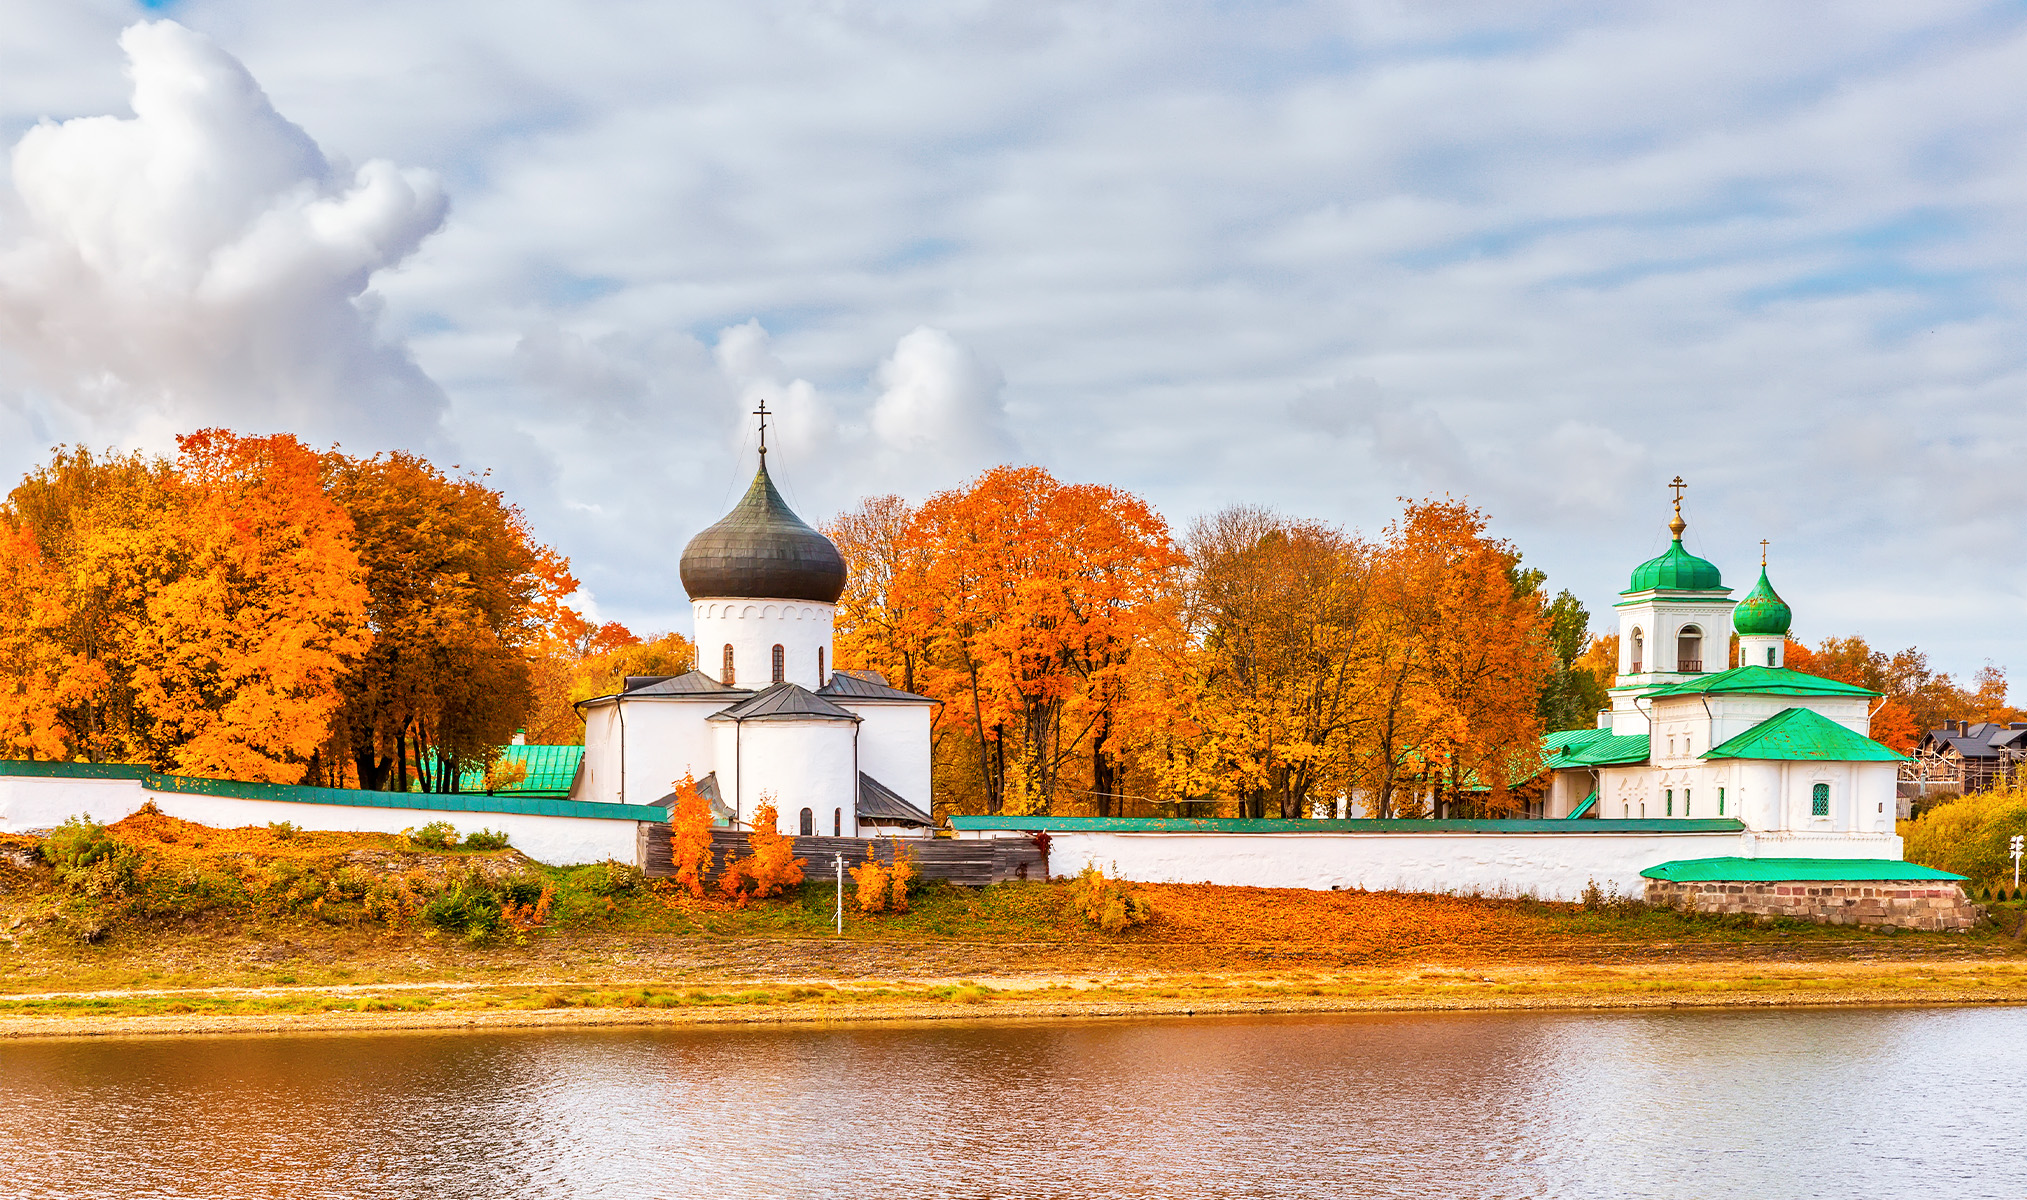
<point>1545,865</point>
<point>800,764</point>
<point>894,747</point>
<point>753,628</point>
<point>39,802</point>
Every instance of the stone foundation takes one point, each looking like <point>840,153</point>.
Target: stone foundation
<point>1927,905</point>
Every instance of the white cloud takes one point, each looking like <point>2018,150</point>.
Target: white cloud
<point>201,261</point>
<point>939,401</point>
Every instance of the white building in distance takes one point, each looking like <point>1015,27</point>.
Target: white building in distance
<point>764,716</point>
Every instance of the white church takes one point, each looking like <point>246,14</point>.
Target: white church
<point>765,716</point>
<point>1788,754</point>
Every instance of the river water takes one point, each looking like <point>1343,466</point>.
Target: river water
<point>1926,1103</point>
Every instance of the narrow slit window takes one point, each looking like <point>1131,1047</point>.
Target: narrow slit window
<point>1668,801</point>
<point>780,663</point>
<point>820,680</point>
<point>727,677</point>
<point>1770,656</point>
<point>837,816</point>
<point>808,823</point>
<point>1720,802</point>
<point>1819,800</point>
<point>1685,801</point>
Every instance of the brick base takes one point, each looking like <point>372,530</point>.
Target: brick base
<point>1926,905</point>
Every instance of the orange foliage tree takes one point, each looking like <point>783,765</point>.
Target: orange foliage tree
<point>192,614</point>
<point>1915,697</point>
<point>461,597</point>
<point>690,823</point>
<point>772,865</point>
<point>1036,595</point>
<point>577,660</point>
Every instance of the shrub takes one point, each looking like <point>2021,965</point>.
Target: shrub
<point>90,861</point>
<point>469,907</point>
<point>613,878</point>
<point>284,831</point>
<point>873,891</point>
<point>1968,835</point>
<point>771,867</point>
<point>525,901</point>
<point>690,824</point>
<point>899,874</point>
<point>437,835</point>
<point>485,839</point>
<point>1107,903</point>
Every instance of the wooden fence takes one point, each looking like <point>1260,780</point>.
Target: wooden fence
<point>973,863</point>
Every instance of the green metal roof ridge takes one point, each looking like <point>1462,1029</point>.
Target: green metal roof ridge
<point>289,793</point>
<point>1764,681</point>
<point>1352,825</point>
<point>1803,735</point>
<point>1776,870</point>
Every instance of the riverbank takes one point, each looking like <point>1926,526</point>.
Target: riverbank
<point>177,928</point>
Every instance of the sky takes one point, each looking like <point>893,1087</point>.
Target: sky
<point>1318,257</point>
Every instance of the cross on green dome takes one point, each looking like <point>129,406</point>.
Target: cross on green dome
<point>1762,613</point>
<point>1676,568</point>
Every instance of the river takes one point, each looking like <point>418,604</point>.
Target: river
<point>1799,1103</point>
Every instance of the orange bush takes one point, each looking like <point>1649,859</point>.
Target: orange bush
<point>690,836</point>
<point>899,874</point>
<point>873,887</point>
<point>771,867</point>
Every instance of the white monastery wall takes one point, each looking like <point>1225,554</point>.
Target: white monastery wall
<point>30,802</point>
<point>1545,865</point>
<point>753,628</point>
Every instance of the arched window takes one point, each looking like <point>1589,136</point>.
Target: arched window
<point>820,680</point>
<point>837,820</point>
<point>1689,650</point>
<point>780,664</point>
<point>1819,800</point>
<point>1770,656</point>
<point>808,823</point>
<point>725,675</point>
<point>1639,645</point>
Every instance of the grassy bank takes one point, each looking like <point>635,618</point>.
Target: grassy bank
<point>160,926</point>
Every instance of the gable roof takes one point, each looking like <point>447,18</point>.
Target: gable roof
<point>866,685</point>
<point>784,702</point>
<point>881,805</point>
<point>1800,734</point>
<point>1612,750</point>
<point>550,771</point>
<point>1760,681</point>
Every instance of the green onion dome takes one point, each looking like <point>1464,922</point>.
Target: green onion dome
<point>1762,613</point>
<point>1677,569</point>
<point>762,549</point>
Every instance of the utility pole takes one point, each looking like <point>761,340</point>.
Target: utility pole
<point>2016,848</point>
<point>841,886</point>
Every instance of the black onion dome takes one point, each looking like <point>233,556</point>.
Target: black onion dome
<point>763,550</point>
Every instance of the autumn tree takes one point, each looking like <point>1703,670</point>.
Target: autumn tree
<point>577,661</point>
<point>192,614</point>
<point>1573,694</point>
<point>1035,594</point>
<point>879,622</point>
<point>461,597</point>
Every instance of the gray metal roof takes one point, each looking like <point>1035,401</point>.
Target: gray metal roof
<point>707,787</point>
<point>881,805</point>
<point>693,683</point>
<point>762,549</point>
<point>865,685</point>
<point>784,702</point>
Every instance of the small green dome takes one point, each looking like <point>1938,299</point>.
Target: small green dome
<point>1762,613</point>
<point>1677,569</point>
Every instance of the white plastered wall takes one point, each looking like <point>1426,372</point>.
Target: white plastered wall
<point>28,802</point>
<point>800,764</point>
<point>1661,618</point>
<point>1545,865</point>
<point>663,737</point>
<point>894,746</point>
<point>753,628</point>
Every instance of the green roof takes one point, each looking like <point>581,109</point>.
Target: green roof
<point>1760,681</point>
<point>1612,750</point>
<point>551,771</point>
<point>1776,870</point>
<point>1558,825</point>
<point>1676,570</point>
<point>1762,613</point>
<point>1799,734</point>
<point>1553,745</point>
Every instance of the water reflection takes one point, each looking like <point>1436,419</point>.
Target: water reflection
<point>1791,1104</point>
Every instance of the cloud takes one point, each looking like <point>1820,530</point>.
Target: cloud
<point>202,261</point>
<point>939,400</point>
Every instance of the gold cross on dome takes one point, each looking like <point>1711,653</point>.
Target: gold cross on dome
<point>1678,485</point>
<point>1763,554</point>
